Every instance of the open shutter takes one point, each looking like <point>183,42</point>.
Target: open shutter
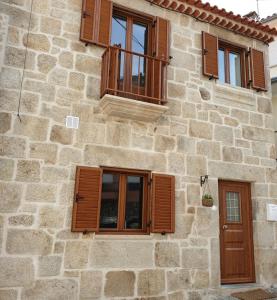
<point>96,22</point>
<point>163,203</point>
<point>210,55</point>
<point>257,69</point>
<point>161,39</point>
<point>161,51</point>
<point>87,197</point>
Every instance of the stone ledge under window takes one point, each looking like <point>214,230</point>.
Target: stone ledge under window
<point>131,109</point>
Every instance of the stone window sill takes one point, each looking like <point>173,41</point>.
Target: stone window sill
<point>235,87</point>
<point>226,94</point>
<point>131,109</point>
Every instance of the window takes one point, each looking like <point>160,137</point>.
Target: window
<point>231,65</point>
<point>119,201</point>
<point>233,207</point>
<point>135,61</point>
<point>131,32</point>
<point>124,201</point>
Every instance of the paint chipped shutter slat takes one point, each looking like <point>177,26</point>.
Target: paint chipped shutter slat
<point>96,22</point>
<point>257,70</point>
<point>163,203</point>
<point>87,198</point>
<point>210,54</point>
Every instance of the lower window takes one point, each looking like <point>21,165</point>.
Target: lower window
<point>231,64</point>
<point>118,201</point>
<point>124,201</point>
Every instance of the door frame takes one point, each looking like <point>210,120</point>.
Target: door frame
<point>247,185</point>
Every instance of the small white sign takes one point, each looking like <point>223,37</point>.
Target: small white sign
<point>72,122</point>
<point>272,212</point>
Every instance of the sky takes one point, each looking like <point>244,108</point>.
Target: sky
<point>242,7</point>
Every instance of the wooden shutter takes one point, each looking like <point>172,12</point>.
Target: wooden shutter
<point>96,22</point>
<point>161,51</point>
<point>161,39</point>
<point>210,54</point>
<point>87,197</point>
<point>257,69</point>
<point>163,203</point>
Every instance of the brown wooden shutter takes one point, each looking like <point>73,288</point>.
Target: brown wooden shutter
<point>163,203</point>
<point>210,54</point>
<point>96,22</point>
<point>87,197</point>
<point>161,39</point>
<point>257,69</point>
<point>161,51</point>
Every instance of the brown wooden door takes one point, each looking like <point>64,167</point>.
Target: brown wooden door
<point>236,237</point>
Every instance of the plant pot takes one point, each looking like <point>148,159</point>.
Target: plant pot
<point>208,202</point>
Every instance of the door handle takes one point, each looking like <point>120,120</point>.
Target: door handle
<point>224,227</point>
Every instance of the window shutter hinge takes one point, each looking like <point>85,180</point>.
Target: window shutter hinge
<point>154,23</point>
<point>149,224</point>
<point>150,181</point>
<point>205,51</point>
<point>78,197</point>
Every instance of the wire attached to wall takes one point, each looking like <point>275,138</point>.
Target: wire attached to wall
<point>25,59</point>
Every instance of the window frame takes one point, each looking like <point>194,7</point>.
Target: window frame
<point>122,202</point>
<point>132,17</point>
<point>228,47</point>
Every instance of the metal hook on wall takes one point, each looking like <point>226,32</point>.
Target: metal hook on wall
<point>203,179</point>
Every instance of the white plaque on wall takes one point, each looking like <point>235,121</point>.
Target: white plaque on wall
<point>272,212</point>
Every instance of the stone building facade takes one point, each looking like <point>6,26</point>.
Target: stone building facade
<point>209,128</point>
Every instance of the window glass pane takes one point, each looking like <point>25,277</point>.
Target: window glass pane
<point>139,45</point>
<point>235,72</point>
<point>119,28</point>
<point>221,65</point>
<point>109,201</point>
<point>233,207</point>
<point>118,38</point>
<point>134,202</point>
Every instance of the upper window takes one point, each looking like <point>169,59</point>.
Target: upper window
<point>231,65</point>
<point>135,61</point>
<point>118,201</point>
<point>131,33</point>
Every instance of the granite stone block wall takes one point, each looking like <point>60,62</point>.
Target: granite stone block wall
<point>210,128</point>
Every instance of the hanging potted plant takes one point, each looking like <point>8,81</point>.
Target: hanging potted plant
<point>207,200</point>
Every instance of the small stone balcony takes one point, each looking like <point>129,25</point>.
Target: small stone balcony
<point>132,85</point>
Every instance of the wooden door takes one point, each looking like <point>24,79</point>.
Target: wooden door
<point>236,236</point>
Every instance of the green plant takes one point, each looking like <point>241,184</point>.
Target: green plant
<point>207,200</point>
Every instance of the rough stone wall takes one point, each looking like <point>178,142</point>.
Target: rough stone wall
<point>3,36</point>
<point>210,128</point>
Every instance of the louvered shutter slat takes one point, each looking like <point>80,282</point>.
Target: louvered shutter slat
<point>163,203</point>
<point>96,22</point>
<point>86,209</point>
<point>210,54</point>
<point>257,69</point>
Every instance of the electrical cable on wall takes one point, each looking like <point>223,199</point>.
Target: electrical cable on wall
<point>25,59</point>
